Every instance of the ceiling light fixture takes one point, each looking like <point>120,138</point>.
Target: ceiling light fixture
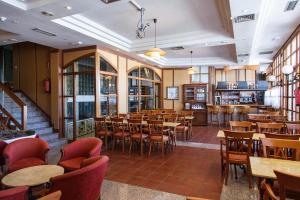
<point>141,27</point>
<point>68,7</point>
<point>3,19</point>
<point>155,52</point>
<point>191,70</point>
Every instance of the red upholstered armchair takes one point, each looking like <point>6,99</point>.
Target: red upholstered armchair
<point>18,193</point>
<point>24,153</point>
<point>73,154</point>
<point>2,159</point>
<point>82,184</point>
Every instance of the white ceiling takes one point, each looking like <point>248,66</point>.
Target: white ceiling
<point>192,24</point>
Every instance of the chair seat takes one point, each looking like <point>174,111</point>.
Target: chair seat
<point>159,138</point>
<point>103,133</point>
<point>72,164</point>
<point>236,157</point>
<point>120,134</point>
<point>289,193</point>
<point>26,162</point>
<point>138,136</point>
<point>181,129</point>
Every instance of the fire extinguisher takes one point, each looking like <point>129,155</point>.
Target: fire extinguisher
<point>47,85</point>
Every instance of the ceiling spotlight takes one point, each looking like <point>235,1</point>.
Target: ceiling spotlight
<point>276,38</point>
<point>13,39</point>
<point>68,7</point>
<point>3,19</point>
<point>79,43</point>
<point>4,41</point>
<point>245,10</point>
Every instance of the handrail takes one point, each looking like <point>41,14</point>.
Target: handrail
<point>20,103</point>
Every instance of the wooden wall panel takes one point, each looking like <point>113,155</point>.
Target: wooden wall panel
<point>250,75</point>
<point>167,81</point>
<point>231,76</point>
<point>181,77</point>
<point>242,75</point>
<point>43,99</point>
<point>16,66</point>
<point>28,70</point>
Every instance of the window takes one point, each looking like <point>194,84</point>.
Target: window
<point>200,75</point>
<point>143,89</point>
<point>287,55</point>
<point>79,97</point>
<point>108,88</point>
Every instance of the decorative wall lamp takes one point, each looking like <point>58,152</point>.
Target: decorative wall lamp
<point>287,70</point>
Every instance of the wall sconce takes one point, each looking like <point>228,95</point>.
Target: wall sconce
<point>287,70</point>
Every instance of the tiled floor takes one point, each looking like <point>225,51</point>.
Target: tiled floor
<point>205,134</point>
<point>185,171</point>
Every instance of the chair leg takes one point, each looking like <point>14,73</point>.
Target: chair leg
<point>114,143</point>
<point>249,176</point>
<point>106,142</point>
<point>150,147</point>
<point>123,144</point>
<point>226,173</point>
<point>130,146</point>
<point>142,149</point>
<point>163,149</point>
<point>235,172</point>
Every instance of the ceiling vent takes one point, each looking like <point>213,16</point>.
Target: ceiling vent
<point>265,52</point>
<point>243,55</point>
<point>43,32</point>
<point>47,14</point>
<point>109,1</point>
<point>177,48</point>
<point>291,5</point>
<point>244,18</point>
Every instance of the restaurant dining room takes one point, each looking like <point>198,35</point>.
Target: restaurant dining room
<point>149,100</point>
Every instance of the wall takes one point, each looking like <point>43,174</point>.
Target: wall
<point>234,75</point>
<point>31,67</point>
<point>174,77</point>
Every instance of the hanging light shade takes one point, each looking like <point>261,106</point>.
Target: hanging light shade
<point>155,52</point>
<point>287,69</point>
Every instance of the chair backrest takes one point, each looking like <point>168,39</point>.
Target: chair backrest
<point>2,147</point>
<point>187,112</point>
<point>170,118</point>
<point>122,115</point>
<point>18,193</point>
<point>282,136</point>
<point>281,149</point>
<point>136,116</point>
<point>25,148</point>
<point>118,124</point>
<point>238,142</point>
<point>100,124</point>
<point>293,128</point>
<point>287,182</point>
<point>135,126</point>
<point>240,126</point>
<point>181,119</point>
<point>257,117</point>
<point>83,147</point>
<point>81,184</point>
<point>269,127</point>
<point>155,127</point>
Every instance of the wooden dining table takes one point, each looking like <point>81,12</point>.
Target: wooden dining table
<point>264,167</point>
<point>256,136</point>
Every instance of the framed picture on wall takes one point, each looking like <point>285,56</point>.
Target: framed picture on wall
<point>173,93</point>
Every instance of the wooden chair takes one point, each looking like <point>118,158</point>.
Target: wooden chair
<point>136,134</point>
<point>293,128</point>
<point>123,115</point>
<point>119,132</point>
<point>238,150</point>
<point>183,128</point>
<point>158,135</point>
<point>102,131</point>
<point>240,125</point>
<point>169,111</point>
<point>190,121</point>
<point>136,116</point>
<point>281,149</point>
<point>282,136</point>
<point>172,118</point>
<point>269,127</point>
<point>288,187</point>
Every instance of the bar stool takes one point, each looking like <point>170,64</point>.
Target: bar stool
<point>228,113</point>
<point>244,111</point>
<point>215,110</point>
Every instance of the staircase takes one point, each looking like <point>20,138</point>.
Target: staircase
<point>36,120</point>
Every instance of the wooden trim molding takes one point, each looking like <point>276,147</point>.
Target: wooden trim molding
<point>223,7</point>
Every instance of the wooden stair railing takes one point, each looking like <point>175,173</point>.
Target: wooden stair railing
<point>17,101</point>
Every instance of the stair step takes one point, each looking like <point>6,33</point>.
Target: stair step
<point>49,136</point>
<point>58,143</point>
<point>38,125</point>
<point>42,131</point>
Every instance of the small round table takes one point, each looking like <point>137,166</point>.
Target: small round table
<point>32,176</point>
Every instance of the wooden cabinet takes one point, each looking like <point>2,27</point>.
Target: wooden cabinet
<point>195,98</point>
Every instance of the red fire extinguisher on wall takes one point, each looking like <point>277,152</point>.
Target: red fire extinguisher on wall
<point>47,85</point>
